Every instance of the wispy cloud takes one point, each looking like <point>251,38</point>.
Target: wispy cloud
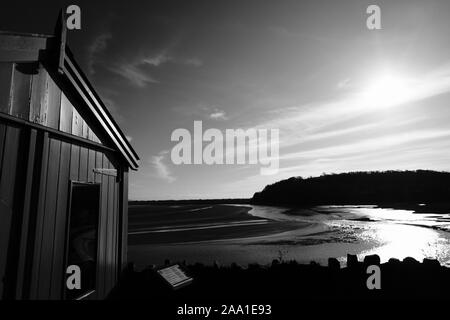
<point>138,72</point>
<point>164,57</point>
<point>201,111</point>
<point>343,84</point>
<point>162,170</point>
<point>134,73</point>
<point>95,48</point>
<point>352,132</point>
<point>364,146</point>
<point>156,60</point>
<point>218,115</point>
<point>300,122</point>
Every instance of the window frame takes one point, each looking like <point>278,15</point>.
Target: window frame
<point>97,185</point>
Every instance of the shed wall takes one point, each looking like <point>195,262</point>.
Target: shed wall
<point>36,168</point>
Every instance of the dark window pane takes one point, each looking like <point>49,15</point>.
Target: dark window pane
<point>83,236</point>
<point>5,85</point>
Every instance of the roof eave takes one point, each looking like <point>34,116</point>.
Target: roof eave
<point>77,78</point>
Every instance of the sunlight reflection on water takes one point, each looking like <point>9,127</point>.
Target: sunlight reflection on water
<point>401,241</point>
<point>390,233</point>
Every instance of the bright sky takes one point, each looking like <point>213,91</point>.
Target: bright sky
<point>344,98</point>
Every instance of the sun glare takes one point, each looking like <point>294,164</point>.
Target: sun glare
<point>386,90</point>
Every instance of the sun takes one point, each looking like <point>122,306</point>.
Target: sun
<point>387,89</point>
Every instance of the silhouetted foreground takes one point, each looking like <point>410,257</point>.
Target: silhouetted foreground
<point>407,279</point>
<point>421,186</point>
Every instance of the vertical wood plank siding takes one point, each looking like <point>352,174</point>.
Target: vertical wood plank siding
<point>5,85</point>
<point>34,95</point>
<point>123,214</point>
<point>27,91</point>
<point>9,144</point>
<point>21,90</point>
<point>61,219</point>
<point>63,161</point>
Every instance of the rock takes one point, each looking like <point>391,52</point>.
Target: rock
<point>409,261</point>
<point>394,262</point>
<point>431,263</point>
<point>373,259</point>
<point>334,264</point>
<point>352,260</point>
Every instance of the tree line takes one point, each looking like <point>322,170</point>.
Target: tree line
<point>374,187</point>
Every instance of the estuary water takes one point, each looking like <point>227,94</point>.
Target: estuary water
<point>315,234</point>
<point>362,230</point>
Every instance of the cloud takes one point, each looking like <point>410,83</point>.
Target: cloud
<point>300,122</point>
<point>95,48</point>
<point>200,111</point>
<point>156,60</point>
<point>162,171</point>
<point>343,84</point>
<point>133,73</point>
<point>136,73</point>
<point>351,132</point>
<point>164,57</point>
<point>135,59</point>
<point>363,146</point>
<point>218,115</point>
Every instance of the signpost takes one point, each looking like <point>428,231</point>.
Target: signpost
<point>175,276</point>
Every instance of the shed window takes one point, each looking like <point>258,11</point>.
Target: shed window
<point>83,236</point>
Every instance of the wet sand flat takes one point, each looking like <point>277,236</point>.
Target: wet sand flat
<point>191,223</point>
<point>246,233</point>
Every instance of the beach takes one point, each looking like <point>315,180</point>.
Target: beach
<point>244,234</point>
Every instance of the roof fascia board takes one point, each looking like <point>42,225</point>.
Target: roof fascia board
<point>111,132</point>
<point>109,121</point>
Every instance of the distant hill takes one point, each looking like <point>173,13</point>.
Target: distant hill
<point>421,186</point>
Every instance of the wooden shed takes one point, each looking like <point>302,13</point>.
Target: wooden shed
<point>64,166</point>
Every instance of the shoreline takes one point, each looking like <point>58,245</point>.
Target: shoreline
<point>206,226</point>
<point>301,234</point>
